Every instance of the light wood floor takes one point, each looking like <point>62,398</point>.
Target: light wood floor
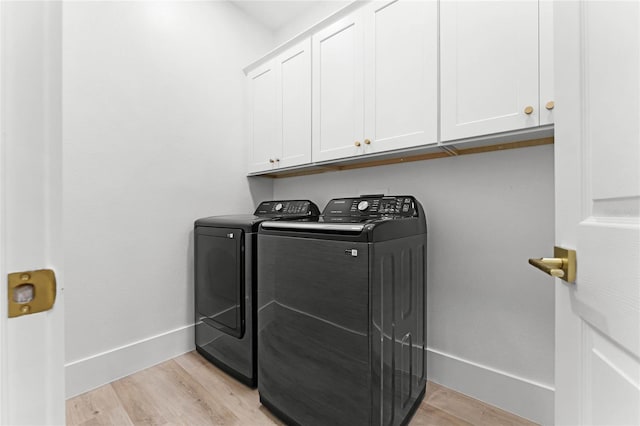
<point>188,390</point>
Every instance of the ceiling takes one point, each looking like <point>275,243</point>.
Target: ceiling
<point>275,14</point>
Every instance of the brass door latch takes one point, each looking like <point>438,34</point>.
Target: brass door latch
<point>562,265</point>
<point>31,292</point>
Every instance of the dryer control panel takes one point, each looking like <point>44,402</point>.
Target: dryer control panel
<point>369,207</point>
<point>287,208</point>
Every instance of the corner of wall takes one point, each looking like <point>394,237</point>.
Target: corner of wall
<point>315,13</point>
<point>261,189</point>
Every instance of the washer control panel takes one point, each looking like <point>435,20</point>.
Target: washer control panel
<point>369,207</point>
<point>287,208</point>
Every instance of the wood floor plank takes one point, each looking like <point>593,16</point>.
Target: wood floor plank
<point>242,400</point>
<point>470,409</point>
<point>109,418</point>
<point>181,399</point>
<point>189,390</point>
<point>97,407</point>
<point>136,401</point>
<point>428,415</point>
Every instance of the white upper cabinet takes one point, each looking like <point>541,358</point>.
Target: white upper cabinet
<point>280,110</point>
<point>293,106</point>
<point>547,102</point>
<point>375,82</point>
<point>395,74</point>
<point>338,82</point>
<point>262,117</point>
<point>489,67</point>
<point>401,74</point>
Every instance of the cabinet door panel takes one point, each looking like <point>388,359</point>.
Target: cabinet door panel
<point>338,89</point>
<point>489,67</point>
<point>401,74</point>
<point>294,105</point>
<point>262,118</point>
<point>546,61</point>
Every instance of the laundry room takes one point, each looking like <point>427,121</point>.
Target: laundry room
<point>153,124</point>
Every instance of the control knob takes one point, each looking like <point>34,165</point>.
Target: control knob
<point>363,205</point>
<point>278,207</point>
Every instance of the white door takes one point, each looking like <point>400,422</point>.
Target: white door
<point>488,67</point>
<point>31,346</point>
<point>597,146</point>
<point>293,110</point>
<point>401,74</point>
<point>338,84</point>
<point>262,118</point>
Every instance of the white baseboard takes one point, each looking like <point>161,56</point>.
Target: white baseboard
<point>89,373</point>
<point>528,399</point>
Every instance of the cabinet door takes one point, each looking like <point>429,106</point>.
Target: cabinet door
<point>338,82</point>
<point>546,62</point>
<point>489,67</point>
<point>293,89</point>
<point>262,118</point>
<point>401,74</point>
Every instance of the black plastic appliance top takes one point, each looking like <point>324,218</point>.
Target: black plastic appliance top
<point>287,208</point>
<point>364,218</point>
<point>303,210</point>
<point>367,207</point>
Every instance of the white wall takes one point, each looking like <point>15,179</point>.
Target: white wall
<point>153,139</point>
<point>490,314</point>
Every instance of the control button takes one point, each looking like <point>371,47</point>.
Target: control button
<point>363,205</point>
<point>405,208</point>
<point>278,207</point>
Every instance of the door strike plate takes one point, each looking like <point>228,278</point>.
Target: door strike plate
<point>31,291</point>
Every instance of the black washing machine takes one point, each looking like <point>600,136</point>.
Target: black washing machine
<point>225,284</point>
<point>342,328</point>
